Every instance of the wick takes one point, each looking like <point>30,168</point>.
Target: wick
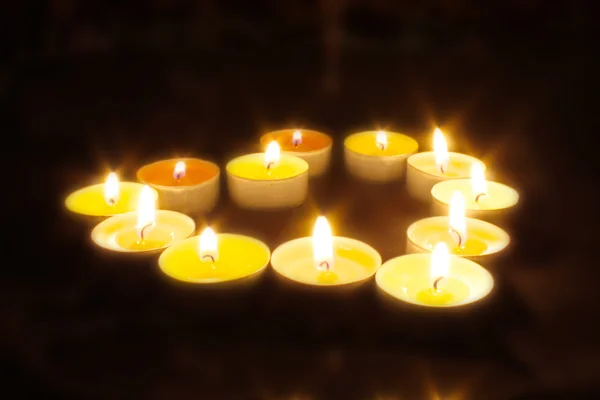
<point>458,235</point>
<point>442,169</point>
<point>479,196</point>
<point>144,229</point>
<point>436,282</point>
<point>381,146</point>
<point>178,176</point>
<point>269,165</point>
<point>296,143</point>
<point>111,202</point>
<point>326,265</point>
<point>209,256</point>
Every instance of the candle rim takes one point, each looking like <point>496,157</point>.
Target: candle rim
<point>182,187</point>
<point>468,180</point>
<point>68,202</point>
<point>266,135</point>
<point>421,154</point>
<point>393,133</point>
<point>302,162</point>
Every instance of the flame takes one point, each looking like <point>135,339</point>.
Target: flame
<point>323,245</point>
<point>440,262</point>
<point>478,183</point>
<point>146,212</point>
<point>382,140</point>
<point>272,154</point>
<point>179,170</point>
<point>440,149</point>
<point>111,189</point>
<point>297,138</point>
<point>457,221</point>
<point>208,245</point>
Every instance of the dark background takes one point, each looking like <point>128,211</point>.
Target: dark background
<point>95,85</point>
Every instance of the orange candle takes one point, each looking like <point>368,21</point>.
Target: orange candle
<point>312,146</point>
<point>187,185</point>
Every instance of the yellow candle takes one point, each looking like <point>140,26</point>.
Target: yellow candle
<point>144,230</point>
<point>211,258</point>
<point>434,280</point>
<point>269,180</point>
<point>324,259</point>
<point>106,199</point>
<point>378,156</point>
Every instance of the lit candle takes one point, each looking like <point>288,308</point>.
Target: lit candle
<point>106,199</point>
<point>312,146</point>
<point>466,237</point>
<point>211,258</point>
<point>269,180</point>
<point>324,259</point>
<point>428,168</point>
<point>187,185</point>
<point>485,200</point>
<point>378,156</point>
<point>434,280</point>
<point>144,230</point>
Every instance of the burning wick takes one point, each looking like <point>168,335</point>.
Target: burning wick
<point>297,138</point>
<point>209,256</point>
<point>111,202</point>
<point>479,196</point>
<point>435,284</point>
<point>326,265</point>
<point>179,171</point>
<point>149,225</point>
<point>456,236</point>
<point>269,165</point>
<point>442,169</point>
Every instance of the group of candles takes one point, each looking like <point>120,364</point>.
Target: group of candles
<point>443,267</point>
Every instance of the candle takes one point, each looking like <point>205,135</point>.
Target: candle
<point>434,280</point>
<point>211,258</point>
<point>378,156</point>
<point>187,185</point>
<point>324,259</point>
<point>312,146</point>
<point>466,237</point>
<point>269,180</point>
<point>483,199</point>
<point>106,199</point>
<point>428,168</point>
<point>144,230</point>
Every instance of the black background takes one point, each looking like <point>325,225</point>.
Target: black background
<point>101,85</point>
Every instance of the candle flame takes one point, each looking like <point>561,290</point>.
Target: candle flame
<point>323,245</point>
<point>297,138</point>
<point>440,148</point>
<point>382,140</point>
<point>440,262</point>
<point>179,170</point>
<point>478,183</point>
<point>272,154</point>
<point>111,189</point>
<point>146,212</point>
<point>457,221</point>
<point>208,248</point>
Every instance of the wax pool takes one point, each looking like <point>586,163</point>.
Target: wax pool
<point>252,167</point>
<point>311,140</point>
<point>238,257</point>
<point>161,172</point>
<point>90,200</point>
<point>365,143</point>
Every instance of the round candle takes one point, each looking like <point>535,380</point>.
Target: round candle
<point>312,146</point>
<point>144,230</point>
<point>466,237</point>
<point>324,259</point>
<point>211,258</point>
<point>187,185</point>
<point>378,156</point>
<point>106,199</point>
<point>269,180</point>
<point>483,199</point>
<point>434,280</point>
<point>428,168</point>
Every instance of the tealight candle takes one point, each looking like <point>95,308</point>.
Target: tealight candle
<point>483,199</point>
<point>144,230</point>
<point>106,199</point>
<point>466,237</point>
<point>269,180</point>
<point>428,168</point>
<point>211,258</point>
<point>378,156</point>
<point>311,146</point>
<point>324,259</point>
<point>434,280</point>
<point>187,185</point>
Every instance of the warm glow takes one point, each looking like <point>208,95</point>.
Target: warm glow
<point>208,248</point>
<point>440,261</point>
<point>111,189</point>
<point>457,221</point>
<point>382,140</point>
<point>297,138</point>
<point>146,212</point>
<point>478,183</point>
<point>272,154</point>
<point>440,149</point>
<point>323,245</point>
<point>179,171</point>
